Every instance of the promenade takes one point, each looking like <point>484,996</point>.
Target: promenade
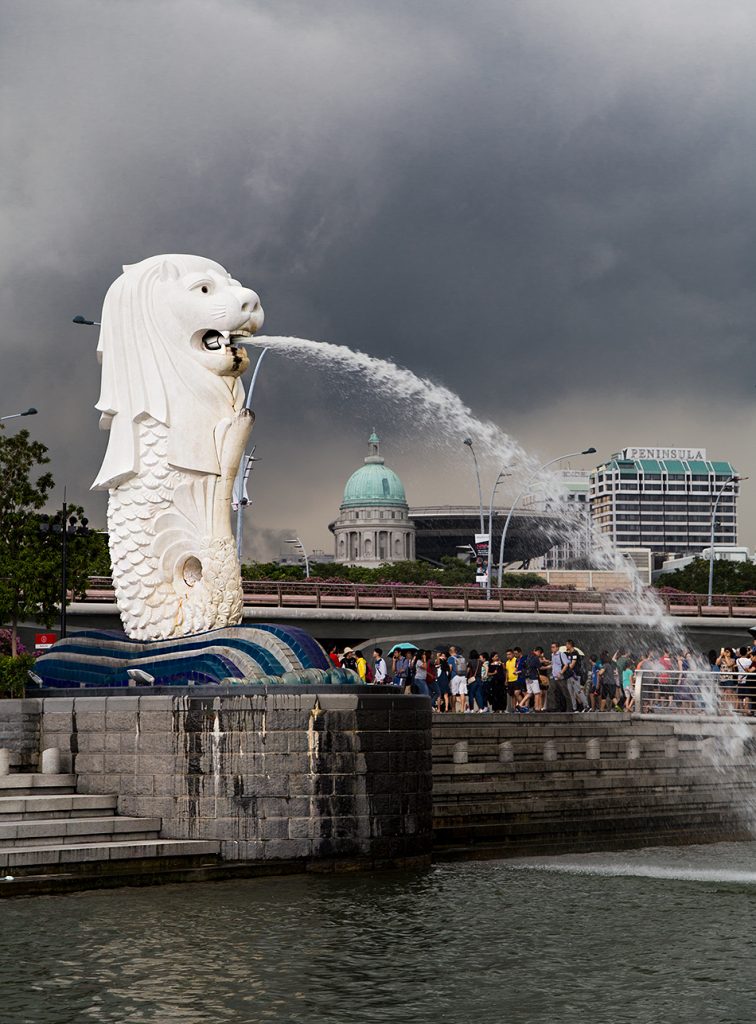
<point>360,614</point>
<point>272,594</point>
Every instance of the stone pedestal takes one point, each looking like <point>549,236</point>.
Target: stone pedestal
<point>274,774</point>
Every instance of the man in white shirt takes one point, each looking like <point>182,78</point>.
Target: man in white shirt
<point>380,669</point>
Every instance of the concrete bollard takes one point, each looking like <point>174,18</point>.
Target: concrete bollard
<point>671,747</point>
<point>459,752</point>
<point>549,751</point>
<point>4,761</point>
<point>633,750</point>
<point>506,752</point>
<point>593,750</point>
<point>50,764</point>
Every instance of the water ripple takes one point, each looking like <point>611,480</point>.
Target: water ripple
<point>572,941</point>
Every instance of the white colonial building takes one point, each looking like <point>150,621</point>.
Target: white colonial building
<point>373,525</point>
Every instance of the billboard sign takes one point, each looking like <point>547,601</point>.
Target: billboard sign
<point>664,454</point>
<point>481,546</point>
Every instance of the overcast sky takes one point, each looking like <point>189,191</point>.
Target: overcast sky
<point>547,206</point>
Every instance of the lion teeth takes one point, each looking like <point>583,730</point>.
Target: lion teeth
<point>211,341</point>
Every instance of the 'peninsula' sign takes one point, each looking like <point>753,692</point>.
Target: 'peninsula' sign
<point>686,454</point>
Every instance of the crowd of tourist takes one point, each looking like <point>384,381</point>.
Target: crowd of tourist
<point>560,679</point>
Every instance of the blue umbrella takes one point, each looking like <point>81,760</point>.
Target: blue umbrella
<point>403,647</point>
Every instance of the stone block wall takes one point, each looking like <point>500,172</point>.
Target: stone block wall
<point>273,776</point>
<point>510,784</point>
<point>20,732</point>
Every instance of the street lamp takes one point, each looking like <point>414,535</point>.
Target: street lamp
<point>734,479</point>
<point>469,443</point>
<point>559,458</point>
<point>87,323</point>
<point>241,498</point>
<point>298,543</point>
<point>28,412</point>
<point>502,473</point>
<point>67,526</point>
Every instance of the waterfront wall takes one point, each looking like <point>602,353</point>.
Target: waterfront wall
<point>317,778</point>
<point>512,785</point>
<point>274,776</point>
<point>20,733</point>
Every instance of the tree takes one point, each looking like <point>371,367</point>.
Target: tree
<point>30,560</point>
<point>729,577</point>
<point>452,573</point>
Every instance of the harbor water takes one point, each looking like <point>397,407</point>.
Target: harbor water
<point>666,935</point>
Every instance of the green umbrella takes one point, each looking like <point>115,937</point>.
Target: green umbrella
<point>403,647</point>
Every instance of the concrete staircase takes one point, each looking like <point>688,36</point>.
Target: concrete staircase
<point>54,839</point>
<point>510,785</point>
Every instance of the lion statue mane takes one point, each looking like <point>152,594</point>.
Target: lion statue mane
<point>173,403</point>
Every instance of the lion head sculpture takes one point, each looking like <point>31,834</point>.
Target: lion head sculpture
<point>168,351</point>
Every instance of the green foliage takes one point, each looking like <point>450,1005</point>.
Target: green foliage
<point>272,571</point>
<point>524,581</point>
<point>14,674</point>
<point>97,555</point>
<point>30,560</point>
<point>454,573</point>
<point>729,577</point>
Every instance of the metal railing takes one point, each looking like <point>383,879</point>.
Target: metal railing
<point>434,597</point>
<point>692,692</point>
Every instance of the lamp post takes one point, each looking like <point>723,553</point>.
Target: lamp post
<point>469,443</point>
<point>67,526</point>
<point>245,466</point>
<point>82,320</point>
<point>559,458</point>
<point>28,412</point>
<point>298,543</point>
<point>502,473</point>
<point>241,498</point>
<point>734,479</point>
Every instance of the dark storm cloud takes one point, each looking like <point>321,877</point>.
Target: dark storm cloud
<point>537,204</point>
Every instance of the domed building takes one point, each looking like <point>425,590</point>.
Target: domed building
<point>373,525</point>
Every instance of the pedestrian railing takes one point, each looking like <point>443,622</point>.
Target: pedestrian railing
<point>403,596</point>
<point>691,692</point>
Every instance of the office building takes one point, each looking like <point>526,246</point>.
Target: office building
<point>663,499</point>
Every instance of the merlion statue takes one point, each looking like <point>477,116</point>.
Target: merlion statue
<point>173,402</point>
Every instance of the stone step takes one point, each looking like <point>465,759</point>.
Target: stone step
<point>62,831</point>
<point>66,805</point>
<point>29,783</point>
<point>640,823</point>
<point>33,857</point>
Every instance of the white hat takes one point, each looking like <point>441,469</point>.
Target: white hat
<point>348,650</point>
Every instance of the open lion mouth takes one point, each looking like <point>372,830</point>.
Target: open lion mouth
<point>214,341</point>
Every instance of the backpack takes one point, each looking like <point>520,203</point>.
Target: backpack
<point>581,668</point>
<point>368,673</point>
<point>460,665</point>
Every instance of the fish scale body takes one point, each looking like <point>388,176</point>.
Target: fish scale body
<point>171,576</point>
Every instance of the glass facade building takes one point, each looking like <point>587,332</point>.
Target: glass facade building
<point>664,504</point>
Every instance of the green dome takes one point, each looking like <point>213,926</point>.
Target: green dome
<point>374,483</point>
